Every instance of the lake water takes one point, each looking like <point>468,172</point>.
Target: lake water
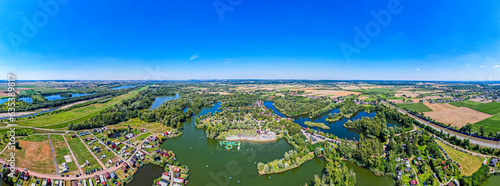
<point>336,128</point>
<point>210,164</point>
<point>161,100</point>
<point>122,87</point>
<point>58,96</point>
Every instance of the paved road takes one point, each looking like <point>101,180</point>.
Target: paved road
<point>73,155</point>
<point>473,140</point>
<point>54,156</point>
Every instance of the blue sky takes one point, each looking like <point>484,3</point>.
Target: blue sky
<point>231,39</point>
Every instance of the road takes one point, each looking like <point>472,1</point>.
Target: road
<point>473,140</point>
<point>54,156</point>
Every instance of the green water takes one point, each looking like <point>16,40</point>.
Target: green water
<point>211,164</point>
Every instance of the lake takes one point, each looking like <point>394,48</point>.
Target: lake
<point>161,100</point>
<point>122,87</point>
<point>208,163</point>
<point>336,128</point>
<point>58,96</point>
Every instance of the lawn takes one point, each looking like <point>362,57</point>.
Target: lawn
<point>60,150</point>
<point>63,119</point>
<point>140,137</point>
<point>138,124</point>
<point>104,151</point>
<point>470,164</point>
<point>419,107</point>
<point>489,108</point>
<point>82,153</point>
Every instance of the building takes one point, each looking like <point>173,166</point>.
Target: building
<point>493,162</point>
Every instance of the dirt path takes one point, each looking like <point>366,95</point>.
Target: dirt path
<point>54,156</point>
<point>73,155</point>
<point>95,157</point>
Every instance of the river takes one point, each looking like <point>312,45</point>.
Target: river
<point>161,100</point>
<point>211,165</point>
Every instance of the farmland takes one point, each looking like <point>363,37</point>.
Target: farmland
<point>418,107</point>
<point>457,117</point>
<point>490,108</point>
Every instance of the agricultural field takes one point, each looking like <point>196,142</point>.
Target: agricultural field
<point>439,106</point>
<point>491,124</point>
<point>418,107</point>
<point>35,154</point>
<point>390,90</point>
<point>82,153</point>
<point>489,108</point>
<point>470,164</point>
<point>63,154</point>
<point>63,119</point>
<point>458,116</point>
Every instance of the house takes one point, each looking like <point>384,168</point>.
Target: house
<point>106,174</point>
<point>493,162</point>
<point>178,180</point>
<point>162,182</point>
<point>450,184</point>
<point>413,182</point>
<point>165,176</point>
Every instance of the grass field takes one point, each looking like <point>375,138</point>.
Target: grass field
<point>82,153</point>
<point>63,119</point>
<point>470,164</point>
<point>37,98</point>
<point>104,151</point>
<point>384,90</point>
<point>138,124</point>
<point>60,150</point>
<point>489,108</point>
<point>419,107</point>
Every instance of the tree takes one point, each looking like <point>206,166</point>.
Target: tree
<point>280,164</point>
<point>287,156</point>
<point>481,130</point>
<point>317,151</point>
<point>266,169</point>
<point>260,165</point>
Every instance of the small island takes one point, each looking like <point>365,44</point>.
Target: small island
<point>315,124</point>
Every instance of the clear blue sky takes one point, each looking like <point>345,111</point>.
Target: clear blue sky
<point>272,39</point>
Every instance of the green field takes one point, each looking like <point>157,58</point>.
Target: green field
<point>38,98</point>
<point>63,119</point>
<point>60,150</point>
<point>384,90</point>
<point>419,107</point>
<point>491,124</point>
<point>489,108</point>
<point>82,153</point>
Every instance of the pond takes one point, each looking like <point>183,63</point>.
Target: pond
<point>161,100</point>
<point>122,87</point>
<point>336,128</point>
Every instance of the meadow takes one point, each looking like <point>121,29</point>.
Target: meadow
<point>61,149</point>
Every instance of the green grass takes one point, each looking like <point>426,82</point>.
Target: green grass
<point>470,164</point>
<point>489,124</point>
<point>419,107</point>
<point>60,150</point>
<point>384,90</point>
<point>63,119</point>
<point>37,98</point>
<point>104,150</point>
<point>489,108</point>
<point>82,153</point>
